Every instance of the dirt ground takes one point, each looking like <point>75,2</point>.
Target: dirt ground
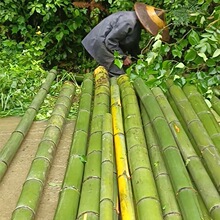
<point>11,185</point>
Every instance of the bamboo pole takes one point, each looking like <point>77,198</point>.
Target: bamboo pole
<point>90,194</point>
<point>107,194</point>
<point>33,186</point>
<point>205,187</point>
<point>182,122</point>
<point>203,142</point>
<point>204,113</point>
<point>67,206</point>
<point>215,104</point>
<point>145,192</point>
<point>168,201</point>
<point>14,142</point>
<point>115,191</point>
<point>217,117</point>
<point>123,175</point>
<point>186,195</point>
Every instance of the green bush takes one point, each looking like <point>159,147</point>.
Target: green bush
<point>38,35</point>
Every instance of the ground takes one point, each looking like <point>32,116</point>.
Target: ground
<point>11,185</point>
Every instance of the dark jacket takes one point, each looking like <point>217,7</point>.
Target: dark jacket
<point>118,32</point>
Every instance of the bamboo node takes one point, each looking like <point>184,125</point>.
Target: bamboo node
<point>92,177</point>
<point>217,206</point>
<point>4,162</point>
<point>148,197</point>
<point>138,168</point>
<point>86,213</point>
<point>107,161</point>
<point>34,179</point>
<point>24,207</point>
<point>106,199</point>
<point>17,131</point>
<point>162,174</point>
<point>42,157</point>
<point>171,214</point>
<point>186,188</point>
<point>70,187</point>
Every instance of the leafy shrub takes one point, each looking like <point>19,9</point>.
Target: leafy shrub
<point>20,75</point>
<point>192,55</point>
<point>56,26</point>
<point>37,35</point>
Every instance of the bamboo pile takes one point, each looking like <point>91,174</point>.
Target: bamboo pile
<point>29,199</point>
<point>136,153</point>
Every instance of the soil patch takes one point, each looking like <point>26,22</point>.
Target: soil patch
<point>11,185</point>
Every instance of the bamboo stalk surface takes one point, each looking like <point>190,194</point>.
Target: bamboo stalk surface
<point>206,188</point>
<point>216,104</point>
<point>203,141</point>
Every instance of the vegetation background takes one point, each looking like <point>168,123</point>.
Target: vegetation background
<point>38,35</point>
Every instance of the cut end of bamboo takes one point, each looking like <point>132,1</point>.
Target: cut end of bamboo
<point>100,70</point>
<point>122,78</point>
<point>101,76</point>
<point>68,83</point>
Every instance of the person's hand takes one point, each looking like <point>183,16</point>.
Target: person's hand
<point>127,61</point>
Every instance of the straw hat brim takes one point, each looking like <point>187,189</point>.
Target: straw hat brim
<point>148,17</point>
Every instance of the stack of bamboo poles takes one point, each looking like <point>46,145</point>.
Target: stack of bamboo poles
<point>29,199</point>
<point>144,158</point>
<point>136,153</point>
<point>186,142</point>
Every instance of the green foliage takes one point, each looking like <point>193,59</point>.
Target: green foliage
<point>37,35</point>
<point>56,27</point>
<point>20,75</point>
<point>192,56</point>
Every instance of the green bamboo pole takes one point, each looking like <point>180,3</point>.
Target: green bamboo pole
<point>205,187</point>
<point>70,193</point>
<point>215,104</point>
<point>217,117</point>
<point>168,201</point>
<point>145,192</point>
<point>180,179</point>
<point>123,176</point>
<point>33,186</point>
<point>204,113</point>
<point>204,143</point>
<point>205,212</point>
<point>184,125</point>
<point>11,147</point>
<point>107,181</point>
<point>90,194</point>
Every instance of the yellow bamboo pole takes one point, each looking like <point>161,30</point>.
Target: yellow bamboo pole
<point>124,183</point>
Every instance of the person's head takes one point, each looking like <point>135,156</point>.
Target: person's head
<point>152,19</point>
